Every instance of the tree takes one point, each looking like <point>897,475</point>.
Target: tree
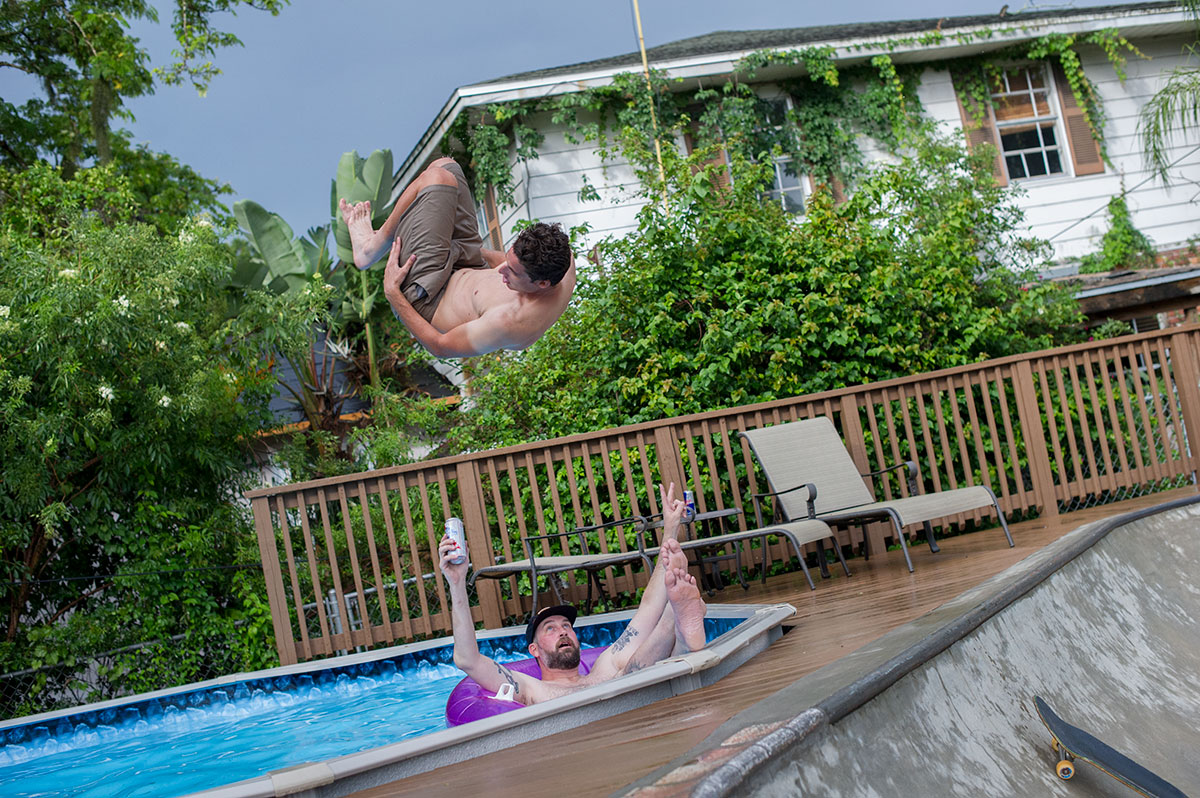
<point>1174,109</point>
<point>87,64</point>
<point>129,399</point>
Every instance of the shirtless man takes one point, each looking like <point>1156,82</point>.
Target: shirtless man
<point>669,621</point>
<point>457,298</point>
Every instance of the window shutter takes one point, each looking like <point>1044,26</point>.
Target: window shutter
<point>720,161</point>
<point>836,187</point>
<point>492,217</point>
<point>1085,150</point>
<point>982,133</point>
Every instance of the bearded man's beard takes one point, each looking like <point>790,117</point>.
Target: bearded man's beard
<point>564,658</point>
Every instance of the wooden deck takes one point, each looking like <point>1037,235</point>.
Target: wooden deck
<point>838,617</point>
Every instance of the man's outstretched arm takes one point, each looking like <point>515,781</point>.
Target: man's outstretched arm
<point>490,675</point>
<point>466,340</point>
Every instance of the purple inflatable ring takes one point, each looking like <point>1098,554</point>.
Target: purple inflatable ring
<point>468,701</point>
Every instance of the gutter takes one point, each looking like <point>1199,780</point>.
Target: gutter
<point>1144,283</point>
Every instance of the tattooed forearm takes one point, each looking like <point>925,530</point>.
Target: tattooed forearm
<point>508,677</point>
<point>625,639</point>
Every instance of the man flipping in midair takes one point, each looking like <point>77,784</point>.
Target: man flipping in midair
<point>457,298</point>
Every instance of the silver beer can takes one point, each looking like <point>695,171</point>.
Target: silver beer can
<point>690,511</point>
<point>454,530</point>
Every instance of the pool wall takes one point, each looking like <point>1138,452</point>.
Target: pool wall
<point>1103,623</point>
<point>347,774</point>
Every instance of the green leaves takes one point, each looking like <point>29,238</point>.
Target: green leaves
<point>727,300</point>
<point>360,180</point>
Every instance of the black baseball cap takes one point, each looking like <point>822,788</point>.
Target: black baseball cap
<point>565,610</point>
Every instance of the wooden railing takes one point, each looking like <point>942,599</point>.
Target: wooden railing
<point>350,561</point>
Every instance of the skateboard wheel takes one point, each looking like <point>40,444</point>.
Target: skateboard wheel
<point>1065,770</point>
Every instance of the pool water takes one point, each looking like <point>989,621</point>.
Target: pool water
<point>198,740</point>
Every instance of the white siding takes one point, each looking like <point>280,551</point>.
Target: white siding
<point>1072,212</point>
<point>1068,211</point>
<point>547,188</point>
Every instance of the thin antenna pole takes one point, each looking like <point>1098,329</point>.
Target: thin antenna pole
<point>662,173</point>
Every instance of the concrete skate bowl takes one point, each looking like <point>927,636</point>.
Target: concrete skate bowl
<point>1104,624</point>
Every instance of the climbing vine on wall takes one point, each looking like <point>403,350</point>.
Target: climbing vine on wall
<point>975,78</point>
<point>817,133</point>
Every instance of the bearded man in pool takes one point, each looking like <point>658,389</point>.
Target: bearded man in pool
<point>668,622</point>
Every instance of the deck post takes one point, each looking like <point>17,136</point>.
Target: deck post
<point>1187,383</point>
<point>285,642</point>
<point>479,540</point>
<point>670,467</point>
<point>1029,415</point>
<point>852,434</point>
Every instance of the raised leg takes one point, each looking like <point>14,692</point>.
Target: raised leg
<point>370,245</point>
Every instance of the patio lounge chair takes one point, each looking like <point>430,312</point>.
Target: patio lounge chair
<point>798,533</point>
<point>546,565</point>
<point>810,454</point>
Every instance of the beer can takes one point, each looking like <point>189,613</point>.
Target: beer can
<point>454,529</point>
<point>690,510</point>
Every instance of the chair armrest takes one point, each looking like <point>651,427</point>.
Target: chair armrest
<point>812,500</point>
<point>527,541</point>
<point>912,474</point>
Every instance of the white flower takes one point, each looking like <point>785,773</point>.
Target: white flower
<point>183,326</point>
<point>4,311</point>
<point>203,222</point>
<point>165,401</point>
<point>174,302</point>
<point>106,393</point>
<point>230,378</point>
<point>185,237</point>
<point>68,273</point>
<point>161,346</point>
<point>122,304</point>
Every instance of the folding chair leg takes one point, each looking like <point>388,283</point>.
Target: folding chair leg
<point>837,547</point>
<point>764,559</point>
<point>1004,526</point>
<point>1000,515</point>
<point>904,546</point>
<point>933,546</point>
<point>866,542</point>
<point>800,556</point>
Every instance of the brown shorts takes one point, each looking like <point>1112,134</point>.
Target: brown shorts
<point>440,227</point>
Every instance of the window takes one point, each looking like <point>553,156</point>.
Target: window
<point>787,188</point>
<point>1026,124</point>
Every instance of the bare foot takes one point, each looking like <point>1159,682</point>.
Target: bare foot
<point>688,606</point>
<point>362,236</point>
<point>673,552</point>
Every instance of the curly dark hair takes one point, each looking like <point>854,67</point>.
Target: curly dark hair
<point>545,251</point>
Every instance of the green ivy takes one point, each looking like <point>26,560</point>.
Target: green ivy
<point>832,108</point>
<point>1123,245</point>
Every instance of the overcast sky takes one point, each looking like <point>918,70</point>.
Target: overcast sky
<point>328,76</point>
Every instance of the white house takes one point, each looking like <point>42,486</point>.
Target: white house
<point>1045,144</point>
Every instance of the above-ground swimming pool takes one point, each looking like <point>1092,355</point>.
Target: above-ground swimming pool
<point>384,710</point>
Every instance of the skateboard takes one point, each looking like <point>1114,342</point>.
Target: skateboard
<point>1071,743</point>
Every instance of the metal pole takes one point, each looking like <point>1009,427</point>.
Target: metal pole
<point>662,174</point>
